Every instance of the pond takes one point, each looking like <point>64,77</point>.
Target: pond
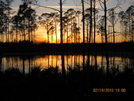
<point>70,61</point>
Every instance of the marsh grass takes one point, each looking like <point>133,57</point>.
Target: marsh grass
<point>49,84</point>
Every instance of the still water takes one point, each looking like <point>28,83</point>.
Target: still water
<point>46,61</point>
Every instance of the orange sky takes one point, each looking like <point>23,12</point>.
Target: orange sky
<point>41,35</point>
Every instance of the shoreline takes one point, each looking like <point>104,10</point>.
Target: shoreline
<point>110,54</point>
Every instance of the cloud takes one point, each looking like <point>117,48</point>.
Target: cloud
<point>130,1</point>
<point>124,6</point>
<point>15,8</point>
<point>49,8</point>
<point>58,7</point>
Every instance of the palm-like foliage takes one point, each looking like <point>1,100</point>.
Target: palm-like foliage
<point>76,32</point>
<point>5,17</point>
<point>25,22</point>
<point>2,22</point>
<point>100,27</point>
<point>56,20</point>
<point>130,19</point>
<point>127,22</point>
<point>15,24</point>
<point>123,23</point>
<point>78,14</point>
<point>113,20</point>
<point>68,23</point>
<point>46,20</point>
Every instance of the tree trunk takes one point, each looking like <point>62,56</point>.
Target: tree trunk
<point>105,31</point>
<point>94,36</point>
<point>90,35</point>
<point>83,12</point>
<point>83,31</point>
<point>61,40</point>
<point>113,34</point>
<point>55,31</point>
<point>23,62</point>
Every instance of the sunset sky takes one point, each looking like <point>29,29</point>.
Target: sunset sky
<point>76,4</point>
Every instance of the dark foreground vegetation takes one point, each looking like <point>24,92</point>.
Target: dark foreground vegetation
<point>77,85</point>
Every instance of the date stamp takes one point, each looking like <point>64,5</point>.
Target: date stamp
<point>109,90</point>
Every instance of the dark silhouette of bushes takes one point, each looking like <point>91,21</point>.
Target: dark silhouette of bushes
<point>26,46</point>
<point>50,85</point>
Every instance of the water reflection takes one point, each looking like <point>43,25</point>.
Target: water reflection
<point>25,64</point>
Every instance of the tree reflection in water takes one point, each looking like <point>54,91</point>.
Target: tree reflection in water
<point>25,64</point>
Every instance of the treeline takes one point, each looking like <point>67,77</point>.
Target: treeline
<point>22,25</point>
<point>74,48</point>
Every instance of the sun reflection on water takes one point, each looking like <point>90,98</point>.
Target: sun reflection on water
<point>69,61</point>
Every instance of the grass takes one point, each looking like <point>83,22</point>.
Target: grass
<point>50,85</point>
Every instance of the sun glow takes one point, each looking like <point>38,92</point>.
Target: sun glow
<point>42,36</point>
